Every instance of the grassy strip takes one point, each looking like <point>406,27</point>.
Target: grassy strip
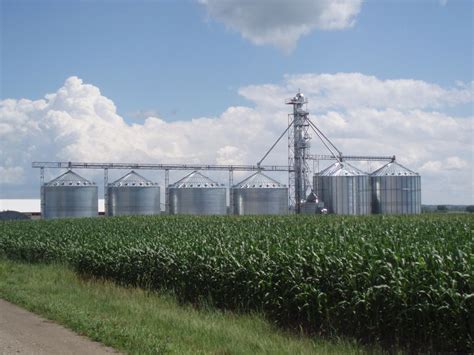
<point>394,280</point>
<point>136,321</point>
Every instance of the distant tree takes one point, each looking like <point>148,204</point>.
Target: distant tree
<point>442,208</point>
<point>470,209</point>
<point>425,209</point>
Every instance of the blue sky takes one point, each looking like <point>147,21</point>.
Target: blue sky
<point>171,57</point>
<point>204,81</point>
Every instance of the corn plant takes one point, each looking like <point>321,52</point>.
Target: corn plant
<point>403,281</point>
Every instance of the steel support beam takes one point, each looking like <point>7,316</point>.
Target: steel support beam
<point>276,142</point>
<point>167,192</point>
<point>166,167</point>
<point>106,193</point>
<point>298,147</point>
<point>42,202</point>
<point>84,165</point>
<point>352,157</point>
<point>231,197</point>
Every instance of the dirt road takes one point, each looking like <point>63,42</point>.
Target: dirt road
<point>22,332</point>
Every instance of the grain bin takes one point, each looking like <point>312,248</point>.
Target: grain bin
<point>395,190</point>
<point>344,189</point>
<point>69,195</point>
<point>133,194</point>
<point>197,194</point>
<point>260,195</point>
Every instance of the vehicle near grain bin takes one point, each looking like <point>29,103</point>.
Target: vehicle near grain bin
<point>260,195</point>
<point>395,190</point>
<point>344,189</point>
<point>312,205</point>
<point>133,194</point>
<point>69,195</point>
<point>196,194</point>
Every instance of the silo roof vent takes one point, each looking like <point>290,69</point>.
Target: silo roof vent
<point>393,169</point>
<point>196,180</point>
<point>259,181</point>
<point>132,179</point>
<point>70,178</point>
<point>341,169</point>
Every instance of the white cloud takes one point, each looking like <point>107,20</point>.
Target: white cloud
<point>231,155</point>
<point>450,163</point>
<point>77,123</point>
<point>11,175</point>
<point>142,114</point>
<point>281,23</point>
<point>354,90</point>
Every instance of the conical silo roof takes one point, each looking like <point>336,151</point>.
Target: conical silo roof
<point>341,169</point>
<point>132,179</point>
<point>393,169</point>
<point>70,178</point>
<point>259,180</point>
<point>195,180</point>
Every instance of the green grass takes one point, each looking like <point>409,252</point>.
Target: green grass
<point>136,321</point>
<point>399,281</point>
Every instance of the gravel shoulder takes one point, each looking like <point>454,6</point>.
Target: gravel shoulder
<point>22,332</point>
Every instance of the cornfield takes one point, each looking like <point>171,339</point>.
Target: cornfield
<point>398,281</point>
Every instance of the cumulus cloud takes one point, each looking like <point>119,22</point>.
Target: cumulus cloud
<point>11,175</point>
<point>281,23</point>
<point>450,163</point>
<point>231,155</point>
<point>355,90</point>
<point>143,114</point>
<point>77,123</point>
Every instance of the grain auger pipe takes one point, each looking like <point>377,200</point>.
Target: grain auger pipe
<point>276,142</point>
<point>337,154</point>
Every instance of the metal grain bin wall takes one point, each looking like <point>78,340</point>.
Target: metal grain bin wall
<point>396,190</point>
<point>196,194</point>
<point>69,195</point>
<point>133,194</point>
<point>344,189</point>
<point>260,195</point>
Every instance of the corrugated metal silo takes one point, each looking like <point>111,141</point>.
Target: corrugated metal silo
<point>133,194</point>
<point>396,190</point>
<point>196,194</point>
<point>344,189</point>
<point>69,195</point>
<point>260,195</point>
